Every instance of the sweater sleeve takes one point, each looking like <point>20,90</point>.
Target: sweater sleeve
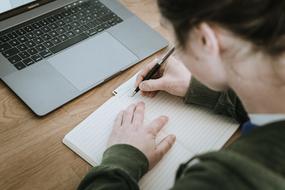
<point>225,103</point>
<point>121,168</point>
<point>255,161</point>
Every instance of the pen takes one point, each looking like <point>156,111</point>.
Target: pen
<point>155,69</point>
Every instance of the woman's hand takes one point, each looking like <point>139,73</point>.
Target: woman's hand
<point>129,128</point>
<point>174,79</point>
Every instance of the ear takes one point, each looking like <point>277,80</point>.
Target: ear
<point>208,39</point>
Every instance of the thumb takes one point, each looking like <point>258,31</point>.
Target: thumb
<point>152,85</point>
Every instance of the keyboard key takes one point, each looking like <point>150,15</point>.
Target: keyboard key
<point>45,53</point>
<point>36,58</point>
<point>55,41</point>
<point>70,34</point>
<point>4,47</point>
<point>38,32</point>
<point>43,22</point>
<point>28,29</point>
<point>36,25</point>
<point>32,51</point>
<point>45,29</point>
<point>14,42</point>
<point>14,59</point>
<point>12,35</point>
<point>78,31</point>
<point>48,44</point>
<point>38,40</point>
<point>68,27</point>
<point>53,26</point>
<point>60,30</point>
<point>28,61</point>
<point>4,39</point>
<point>19,65</point>
<point>22,47</point>
<point>60,23</point>
<point>30,36</point>
<point>46,37</point>
<point>30,44</point>
<point>51,19</point>
<point>67,20</point>
<point>10,52</point>
<point>69,43</point>
<point>53,33</point>
<point>21,32</point>
<point>23,39</point>
<point>75,24</point>
<point>40,47</point>
<point>58,17</point>
<point>24,55</point>
<point>63,37</point>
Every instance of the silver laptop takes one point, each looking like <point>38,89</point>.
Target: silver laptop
<point>51,51</point>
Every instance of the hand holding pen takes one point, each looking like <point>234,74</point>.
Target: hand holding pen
<point>155,69</point>
<point>173,77</point>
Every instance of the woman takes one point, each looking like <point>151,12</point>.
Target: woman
<point>226,44</point>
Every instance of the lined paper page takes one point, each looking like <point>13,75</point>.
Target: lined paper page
<point>197,131</point>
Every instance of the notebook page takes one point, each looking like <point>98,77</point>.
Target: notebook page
<point>195,127</point>
<point>197,130</point>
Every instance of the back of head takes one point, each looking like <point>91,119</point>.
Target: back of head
<point>261,22</point>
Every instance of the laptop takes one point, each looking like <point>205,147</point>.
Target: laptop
<point>52,51</point>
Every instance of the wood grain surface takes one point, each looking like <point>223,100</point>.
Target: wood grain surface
<point>32,155</point>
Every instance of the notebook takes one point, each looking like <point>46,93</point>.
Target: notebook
<point>197,130</point>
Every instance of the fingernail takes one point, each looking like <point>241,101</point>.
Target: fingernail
<point>173,138</point>
<point>165,117</point>
<point>142,86</point>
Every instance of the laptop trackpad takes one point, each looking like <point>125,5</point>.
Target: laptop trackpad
<point>93,61</point>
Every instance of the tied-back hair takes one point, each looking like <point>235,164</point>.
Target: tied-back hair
<point>261,22</point>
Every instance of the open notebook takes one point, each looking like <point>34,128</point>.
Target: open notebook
<point>197,131</point>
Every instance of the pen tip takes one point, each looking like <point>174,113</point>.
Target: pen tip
<point>133,94</point>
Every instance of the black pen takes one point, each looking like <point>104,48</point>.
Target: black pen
<point>155,69</point>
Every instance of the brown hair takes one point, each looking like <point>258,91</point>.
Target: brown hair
<point>261,22</point>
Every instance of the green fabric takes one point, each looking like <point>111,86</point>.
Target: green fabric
<point>255,161</point>
<point>225,103</point>
<point>121,168</point>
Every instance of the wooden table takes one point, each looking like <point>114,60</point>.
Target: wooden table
<point>32,155</point>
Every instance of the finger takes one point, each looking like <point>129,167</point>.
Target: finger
<point>152,94</point>
<point>139,114</point>
<point>153,85</point>
<point>128,115</point>
<point>164,146</point>
<point>118,120</point>
<point>145,71</point>
<point>156,125</point>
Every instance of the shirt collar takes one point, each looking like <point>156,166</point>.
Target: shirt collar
<point>264,119</point>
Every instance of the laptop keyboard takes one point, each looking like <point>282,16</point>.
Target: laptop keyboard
<point>39,38</point>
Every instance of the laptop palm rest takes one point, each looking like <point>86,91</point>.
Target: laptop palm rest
<point>92,61</point>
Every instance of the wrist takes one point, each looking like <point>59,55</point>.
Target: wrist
<point>128,158</point>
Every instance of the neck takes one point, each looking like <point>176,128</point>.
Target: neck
<point>259,87</point>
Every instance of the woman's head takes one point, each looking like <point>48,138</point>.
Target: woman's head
<point>222,40</point>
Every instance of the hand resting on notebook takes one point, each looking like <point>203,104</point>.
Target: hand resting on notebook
<point>174,78</point>
<point>129,128</point>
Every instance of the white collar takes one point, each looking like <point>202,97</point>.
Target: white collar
<point>264,119</point>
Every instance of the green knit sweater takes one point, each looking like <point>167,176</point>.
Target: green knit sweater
<point>255,161</point>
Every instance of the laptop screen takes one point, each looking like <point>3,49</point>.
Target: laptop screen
<point>7,5</point>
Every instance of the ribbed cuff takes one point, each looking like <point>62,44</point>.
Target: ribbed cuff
<point>199,94</point>
<point>127,158</point>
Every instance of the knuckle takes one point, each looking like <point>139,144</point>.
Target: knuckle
<point>150,130</point>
